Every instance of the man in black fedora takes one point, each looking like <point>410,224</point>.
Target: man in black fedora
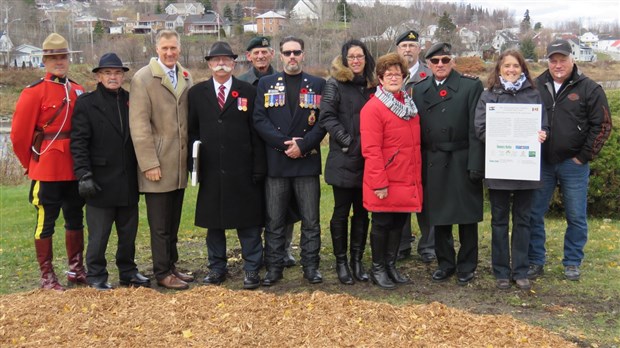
<point>105,163</point>
<point>232,166</point>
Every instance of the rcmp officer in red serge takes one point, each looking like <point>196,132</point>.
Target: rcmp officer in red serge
<point>452,162</point>
<point>232,166</point>
<point>40,134</point>
<point>105,161</point>
<point>286,117</point>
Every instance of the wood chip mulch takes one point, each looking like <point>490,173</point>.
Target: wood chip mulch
<point>209,316</point>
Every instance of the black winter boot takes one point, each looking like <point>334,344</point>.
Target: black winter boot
<point>394,239</point>
<point>339,242</point>
<point>379,275</point>
<point>359,233</point>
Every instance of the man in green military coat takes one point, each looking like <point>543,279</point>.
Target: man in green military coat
<point>452,162</point>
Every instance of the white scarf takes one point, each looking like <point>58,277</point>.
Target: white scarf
<point>404,111</point>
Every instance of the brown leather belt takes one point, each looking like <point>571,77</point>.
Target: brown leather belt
<point>61,135</point>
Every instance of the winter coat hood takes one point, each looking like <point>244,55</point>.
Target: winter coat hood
<point>344,74</point>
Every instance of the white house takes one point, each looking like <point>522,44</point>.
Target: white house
<point>469,38</point>
<point>582,53</point>
<point>307,9</point>
<point>6,48</point>
<point>504,39</point>
<point>184,9</point>
<point>589,39</point>
<point>27,55</point>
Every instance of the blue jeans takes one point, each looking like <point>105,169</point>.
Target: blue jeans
<point>509,251</point>
<point>278,193</point>
<point>573,180</point>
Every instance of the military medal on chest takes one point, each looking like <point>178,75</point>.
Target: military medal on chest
<point>242,104</point>
<point>312,118</point>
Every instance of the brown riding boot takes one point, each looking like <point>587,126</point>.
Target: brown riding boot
<point>45,254</point>
<point>75,250</point>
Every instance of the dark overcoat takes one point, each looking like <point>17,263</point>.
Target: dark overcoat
<point>101,144</point>
<point>450,149</point>
<point>232,157</point>
<point>276,124</point>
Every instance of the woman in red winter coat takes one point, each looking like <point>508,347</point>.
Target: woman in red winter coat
<point>392,184</point>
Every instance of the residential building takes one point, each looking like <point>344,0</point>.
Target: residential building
<point>270,23</point>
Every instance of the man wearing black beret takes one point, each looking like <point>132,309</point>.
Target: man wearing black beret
<point>260,54</point>
<point>452,162</point>
<point>408,47</point>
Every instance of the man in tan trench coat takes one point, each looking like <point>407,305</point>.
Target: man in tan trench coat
<point>158,124</point>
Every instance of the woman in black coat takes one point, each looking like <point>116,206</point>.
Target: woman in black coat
<point>351,83</point>
<point>510,82</point>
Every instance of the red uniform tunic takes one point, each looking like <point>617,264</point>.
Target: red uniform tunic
<point>36,105</point>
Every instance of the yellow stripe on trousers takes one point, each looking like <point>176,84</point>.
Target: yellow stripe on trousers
<point>40,211</point>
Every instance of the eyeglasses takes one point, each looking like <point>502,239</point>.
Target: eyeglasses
<point>295,53</point>
<point>392,76</point>
<point>444,60</point>
<point>354,58</point>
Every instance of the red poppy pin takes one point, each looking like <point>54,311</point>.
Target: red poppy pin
<point>185,74</point>
<point>234,94</point>
<point>303,91</point>
<point>443,93</point>
<point>422,74</point>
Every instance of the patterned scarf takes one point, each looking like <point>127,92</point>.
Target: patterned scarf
<point>513,86</point>
<point>404,111</point>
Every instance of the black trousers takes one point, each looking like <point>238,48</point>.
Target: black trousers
<point>163,211</point>
<point>48,198</point>
<point>100,222</point>
<point>251,248</point>
<point>467,258</point>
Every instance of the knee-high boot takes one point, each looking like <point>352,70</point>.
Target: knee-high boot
<point>359,233</point>
<point>339,242</point>
<point>393,243</point>
<point>45,255</point>
<point>74,240</point>
<point>378,244</point>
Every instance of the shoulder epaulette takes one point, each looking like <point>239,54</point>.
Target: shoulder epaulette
<point>70,80</point>
<point>35,83</point>
<point>468,76</point>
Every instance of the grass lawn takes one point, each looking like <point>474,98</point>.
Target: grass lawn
<point>586,312</point>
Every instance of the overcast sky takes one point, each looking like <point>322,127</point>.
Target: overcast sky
<point>548,12</point>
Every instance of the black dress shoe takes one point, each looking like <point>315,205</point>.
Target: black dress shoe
<point>214,278</point>
<point>136,280</point>
<point>464,278</point>
<point>102,286</point>
<point>272,276</point>
<point>313,275</point>
<point>441,276</point>
<point>403,254</point>
<point>428,258</point>
<point>251,280</point>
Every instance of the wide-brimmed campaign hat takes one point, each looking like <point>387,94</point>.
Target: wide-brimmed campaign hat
<point>56,44</point>
<point>110,60</point>
<point>219,49</point>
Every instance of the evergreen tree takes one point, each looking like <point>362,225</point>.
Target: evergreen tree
<point>537,26</point>
<point>525,23</point>
<point>343,11</point>
<point>98,31</point>
<point>207,4</point>
<point>238,14</point>
<point>228,14</point>
<point>528,48</point>
<point>445,29</point>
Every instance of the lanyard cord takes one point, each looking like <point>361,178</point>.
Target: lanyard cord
<point>67,101</point>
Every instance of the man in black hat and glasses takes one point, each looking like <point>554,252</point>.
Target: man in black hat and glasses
<point>105,162</point>
<point>232,166</point>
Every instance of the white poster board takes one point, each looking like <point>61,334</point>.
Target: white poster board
<point>512,147</point>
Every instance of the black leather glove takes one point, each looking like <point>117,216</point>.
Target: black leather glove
<point>87,187</point>
<point>475,175</point>
<point>258,178</point>
<point>344,139</point>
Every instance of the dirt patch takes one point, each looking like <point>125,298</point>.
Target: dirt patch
<point>219,317</point>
